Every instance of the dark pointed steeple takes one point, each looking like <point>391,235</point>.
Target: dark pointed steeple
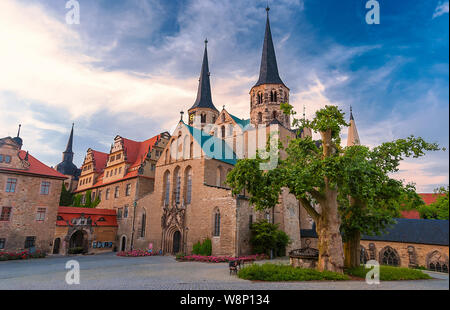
<point>268,73</point>
<point>204,98</point>
<point>67,166</point>
<point>70,142</point>
<point>18,139</point>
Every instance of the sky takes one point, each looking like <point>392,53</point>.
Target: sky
<point>129,67</point>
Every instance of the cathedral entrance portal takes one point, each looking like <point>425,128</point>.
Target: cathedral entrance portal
<point>176,242</point>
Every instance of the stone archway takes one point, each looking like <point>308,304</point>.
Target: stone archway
<point>436,261</point>
<point>79,239</point>
<point>173,240</point>
<point>389,256</point>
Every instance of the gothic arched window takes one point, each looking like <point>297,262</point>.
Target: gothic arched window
<point>216,232</point>
<point>167,188</point>
<point>177,185</point>
<point>437,262</point>
<point>363,257</point>
<point>260,98</point>
<point>143,223</point>
<point>259,118</point>
<point>389,256</point>
<point>203,118</point>
<point>273,96</point>
<point>188,184</point>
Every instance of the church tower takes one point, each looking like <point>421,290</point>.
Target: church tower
<point>352,137</point>
<point>67,166</point>
<point>269,92</point>
<point>203,108</point>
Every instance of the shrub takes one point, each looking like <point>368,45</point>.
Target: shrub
<point>266,237</point>
<point>196,248</point>
<point>389,273</point>
<point>76,250</point>
<point>276,272</point>
<point>204,249</point>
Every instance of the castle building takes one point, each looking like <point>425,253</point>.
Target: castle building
<point>118,179</point>
<point>29,199</point>
<point>67,167</point>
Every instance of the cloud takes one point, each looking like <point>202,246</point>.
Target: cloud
<point>441,9</point>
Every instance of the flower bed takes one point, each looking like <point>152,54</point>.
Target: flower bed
<point>136,253</point>
<point>220,259</point>
<point>21,255</point>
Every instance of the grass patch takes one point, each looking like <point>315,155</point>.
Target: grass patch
<point>389,273</point>
<point>277,272</point>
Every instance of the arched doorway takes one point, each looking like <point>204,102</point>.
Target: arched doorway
<point>176,242</point>
<point>123,243</point>
<point>79,240</point>
<point>56,246</point>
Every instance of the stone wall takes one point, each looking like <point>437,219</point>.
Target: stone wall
<point>25,202</point>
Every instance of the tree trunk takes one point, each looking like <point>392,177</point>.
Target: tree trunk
<point>352,250</point>
<point>331,254</point>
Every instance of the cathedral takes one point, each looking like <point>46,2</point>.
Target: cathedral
<point>170,190</point>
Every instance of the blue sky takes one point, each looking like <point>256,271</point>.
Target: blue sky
<point>130,66</point>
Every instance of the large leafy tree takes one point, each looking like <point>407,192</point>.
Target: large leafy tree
<point>351,185</point>
<point>439,209</point>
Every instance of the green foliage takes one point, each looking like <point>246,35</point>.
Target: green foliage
<point>197,248</point>
<point>439,209</point>
<point>204,249</point>
<point>274,272</point>
<point>77,201</point>
<point>88,202</point>
<point>180,255</point>
<point>66,197</point>
<point>368,197</point>
<point>266,237</point>
<point>389,273</point>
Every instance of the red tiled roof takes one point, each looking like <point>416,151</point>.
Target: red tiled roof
<point>136,154</point>
<point>69,213</point>
<point>36,168</point>
<point>429,198</point>
<point>100,159</point>
<point>413,214</point>
<point>137,151</point>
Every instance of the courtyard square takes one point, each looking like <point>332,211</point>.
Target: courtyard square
<point>110,272</point>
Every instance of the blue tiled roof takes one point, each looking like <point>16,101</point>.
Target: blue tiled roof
<point>407,231</point>
<point>243,123</point>
<point>203,138</point>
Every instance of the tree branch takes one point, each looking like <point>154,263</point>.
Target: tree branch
<point>311,211</point>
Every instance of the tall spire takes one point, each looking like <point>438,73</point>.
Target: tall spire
<point>204,98</point>
<point>268,73</point>
<point>18,139</point>
<point>352,137</point>
<point>70,142</point>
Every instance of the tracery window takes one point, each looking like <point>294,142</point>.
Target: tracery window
<point>388,256</point>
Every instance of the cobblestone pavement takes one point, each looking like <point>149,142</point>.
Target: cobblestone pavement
<point>108,271</point>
